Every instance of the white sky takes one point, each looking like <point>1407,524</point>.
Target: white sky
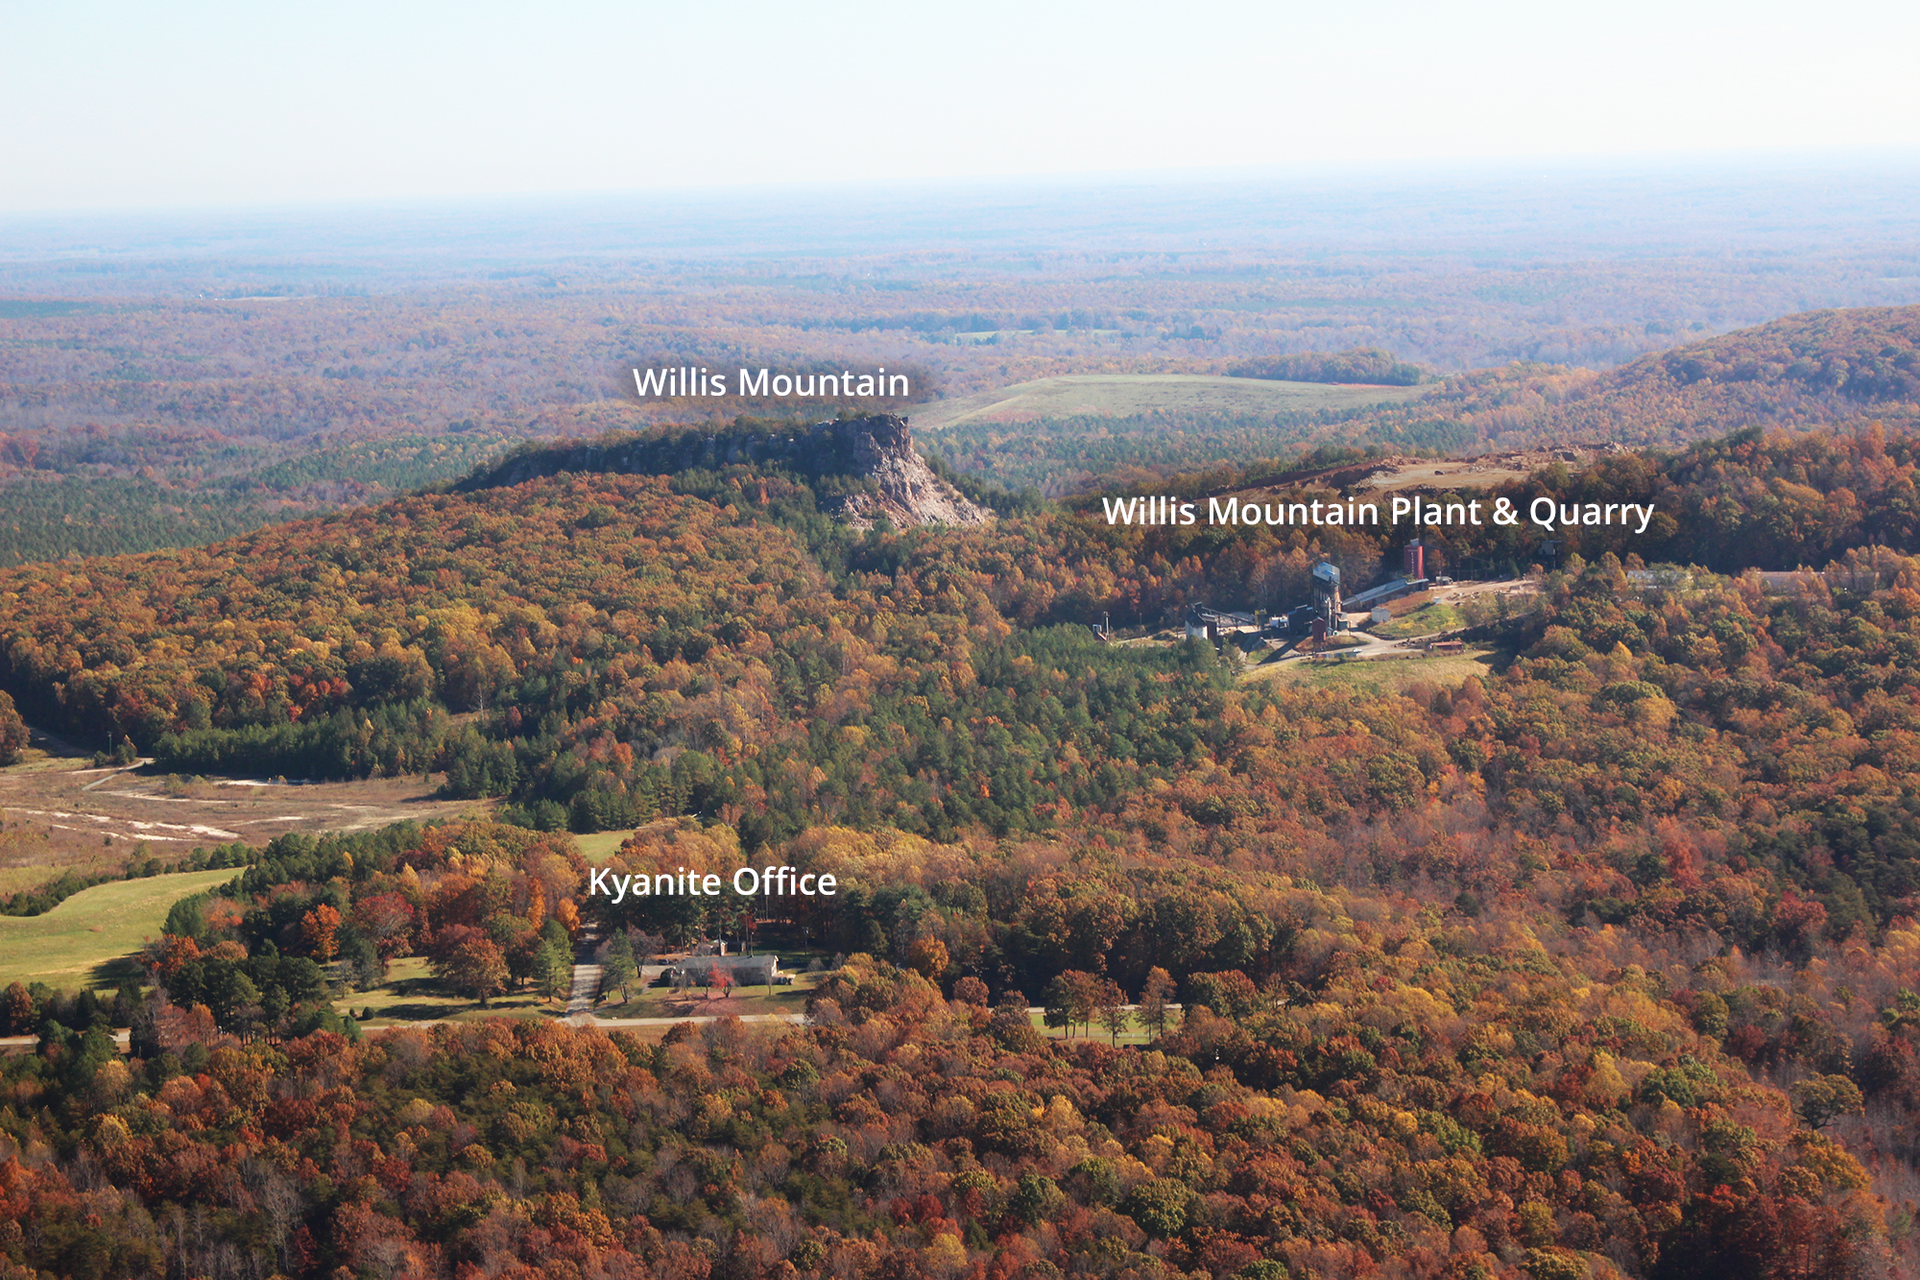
<point>133,106</point>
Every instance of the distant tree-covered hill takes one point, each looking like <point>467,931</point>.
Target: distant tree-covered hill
<point>82,503</point>
<point>1366,365</point>
<point>1828,368</point>
<point>1820,368</point>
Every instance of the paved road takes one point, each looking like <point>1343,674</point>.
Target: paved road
<point>586,974</point>
<point>123,1038</point>
<point>586,985</point>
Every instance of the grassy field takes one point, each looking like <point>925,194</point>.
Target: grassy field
<point>1380,675</point>
<point>15,879</point>
<point>601,845</point>
<point>410,994</point>
<point>1134,1034</point>
<point>661,1002</point>
<point>1125,395</point>
<point>77,943</point>
<point>1425,620</point>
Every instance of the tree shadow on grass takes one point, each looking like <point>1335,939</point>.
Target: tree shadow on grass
<point>111,973</point>
<point>424,1010</point>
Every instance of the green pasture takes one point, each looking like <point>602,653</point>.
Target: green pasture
<point>78,943</point>
<point>18,879</point>
<point>1134,1034</point>
<point>1127,395</point>
<point>601,845</point>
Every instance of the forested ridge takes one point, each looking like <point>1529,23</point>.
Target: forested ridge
<point>1828,369</point>
<point>1602,962</point>
<point>907,1134</point>
<point>1750,499</point>
<point>111,493</point>
<point>1361,365</point>
<point>1815,369</point>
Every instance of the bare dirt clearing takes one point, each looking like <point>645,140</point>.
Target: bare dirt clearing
<point>1397,474</point>
<point>58,814</point>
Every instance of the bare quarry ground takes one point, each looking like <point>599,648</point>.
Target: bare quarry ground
<point>57,813</point>
<point>1394,474</point>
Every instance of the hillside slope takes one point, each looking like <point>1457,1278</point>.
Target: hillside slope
<point>1595,962</point>
<point>1592,963</point>
<point>1821,368</point>
<point>1132,394</point>
<point>867,467</point>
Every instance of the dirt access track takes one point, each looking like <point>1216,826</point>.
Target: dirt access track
<point>57,812</point>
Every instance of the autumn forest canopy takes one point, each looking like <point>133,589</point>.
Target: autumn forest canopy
<point>1590,951</point>
<point>1680,821</point>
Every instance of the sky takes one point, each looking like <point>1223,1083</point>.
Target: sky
<point>131,107</point>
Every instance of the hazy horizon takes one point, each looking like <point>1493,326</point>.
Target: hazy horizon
<point>228,106</point>
<point>1826,205</point>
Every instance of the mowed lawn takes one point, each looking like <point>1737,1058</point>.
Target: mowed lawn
<point>1134,1034</point>
<point>74,944</point>
<point>411,994</point>
<point>601,845</point>
<point>699,1002</point>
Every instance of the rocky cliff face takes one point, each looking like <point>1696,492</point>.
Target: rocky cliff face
<point>881,448</point>
<point>878,449</point>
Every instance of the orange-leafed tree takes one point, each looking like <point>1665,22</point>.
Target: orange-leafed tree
<point>172,953</point>
<point>928,957</point>
<point>388,919</point>
<point>16,1010</point>
<point>474,966</point>
<point>320,929</point>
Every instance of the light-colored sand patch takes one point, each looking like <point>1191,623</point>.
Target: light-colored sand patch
<point>138,828</point>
